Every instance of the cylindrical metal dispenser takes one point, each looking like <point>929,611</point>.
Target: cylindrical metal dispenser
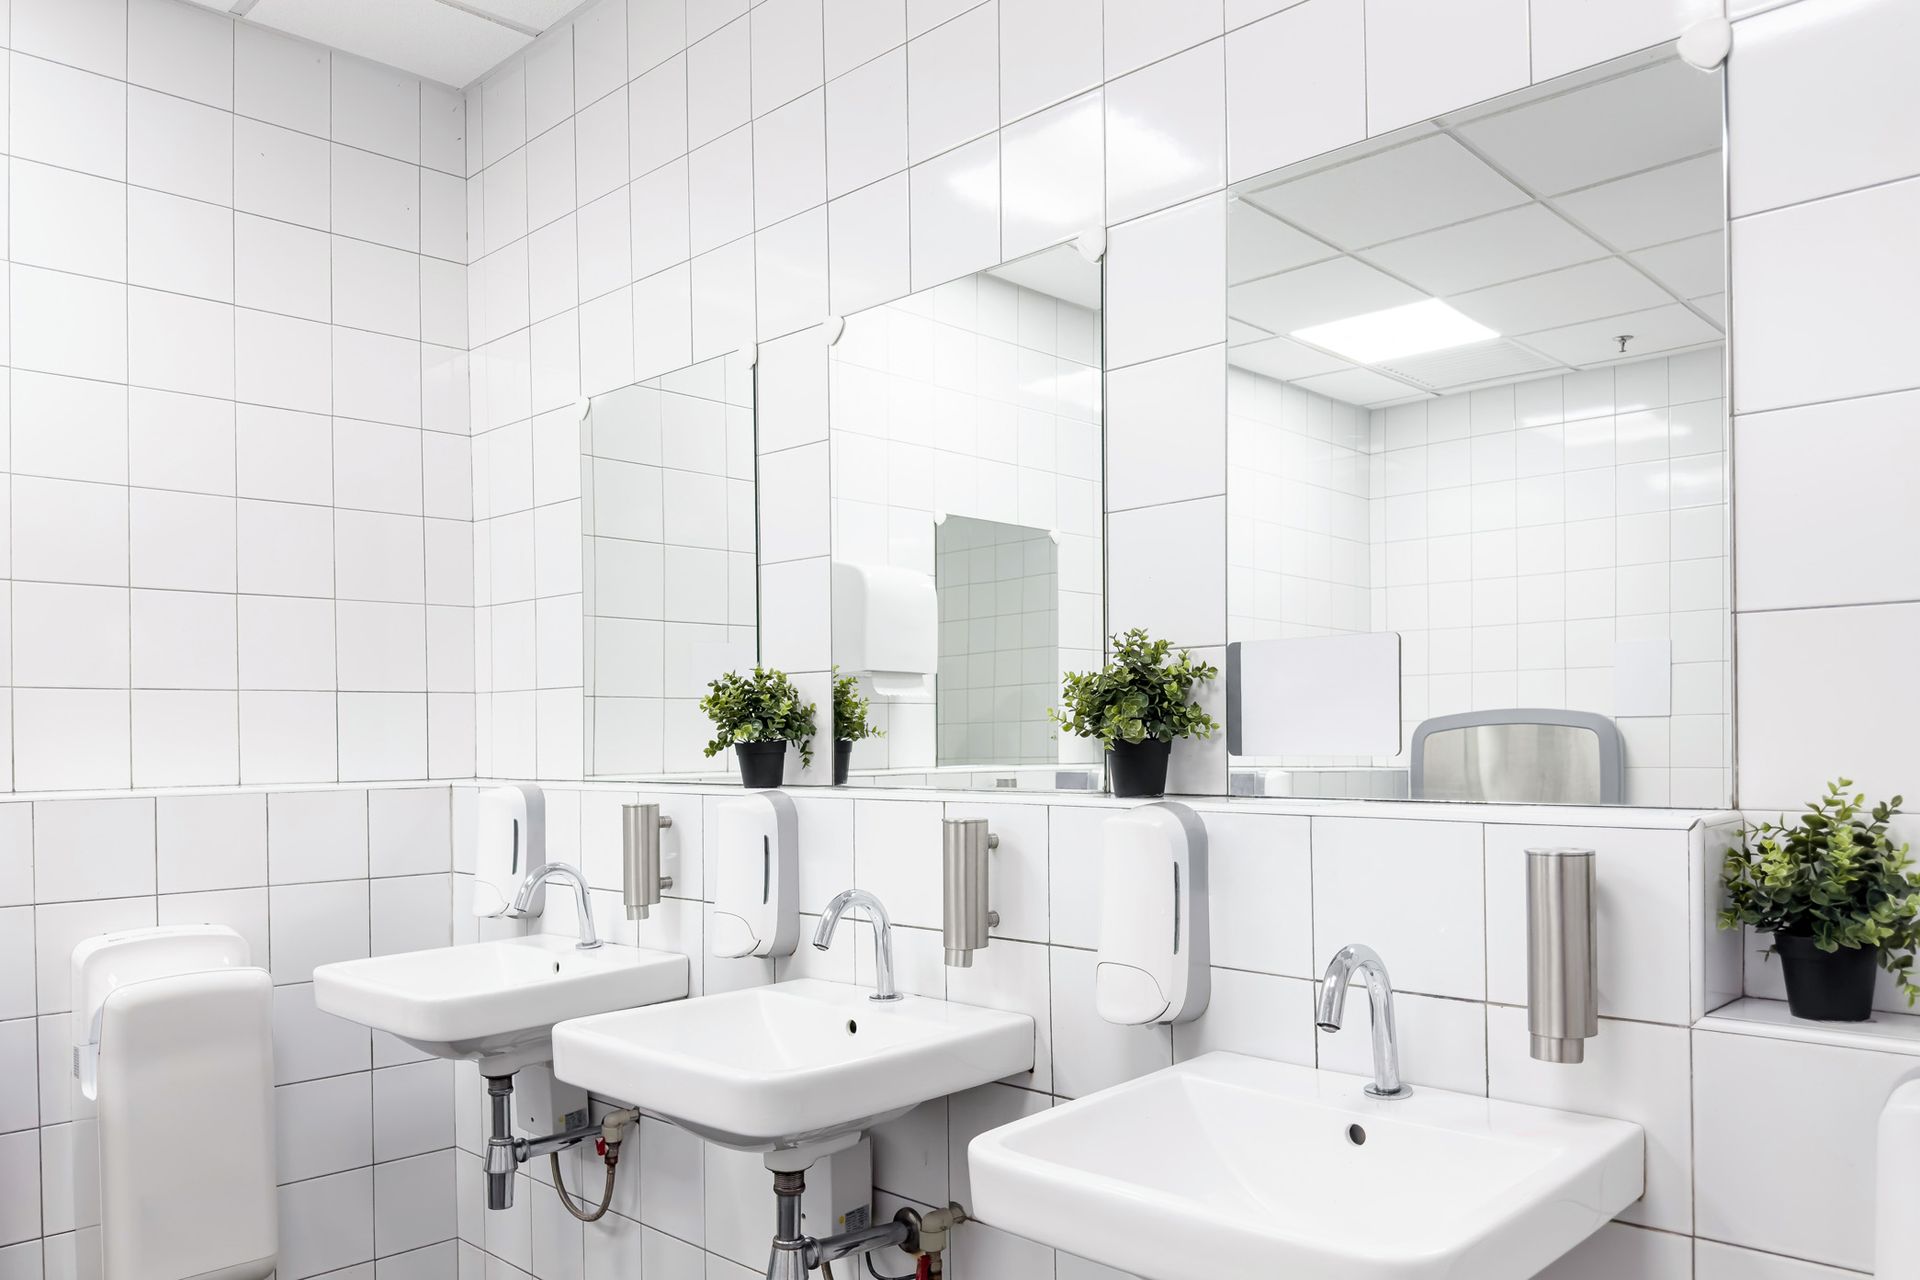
<point>1563,975</point>
<point>964,843</point>
<point>640,880</point>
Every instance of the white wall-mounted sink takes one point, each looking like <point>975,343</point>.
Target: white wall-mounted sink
<point>1237,1168</point>
<point>797,1069</point>
<point>495,1002</point>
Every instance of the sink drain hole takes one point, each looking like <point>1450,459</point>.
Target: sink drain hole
<point>1356,1135</point>
<point>853,1028</point>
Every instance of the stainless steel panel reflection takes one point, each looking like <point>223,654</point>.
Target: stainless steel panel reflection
<point>1523,763</point>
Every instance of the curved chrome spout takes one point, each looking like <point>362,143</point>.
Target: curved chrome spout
<point>1333,1001</point>
<point>569,874</point>
<point>882,936</point>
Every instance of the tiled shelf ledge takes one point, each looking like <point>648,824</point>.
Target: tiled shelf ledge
<point>1886,1032</point>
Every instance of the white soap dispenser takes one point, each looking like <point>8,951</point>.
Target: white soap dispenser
<point>511,844</point>
<point>1153,964</point>
<point>755,896</point>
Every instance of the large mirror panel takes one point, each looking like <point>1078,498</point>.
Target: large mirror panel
<point>668,545</point>
<point>1477,455</point>
<point>965,442</point>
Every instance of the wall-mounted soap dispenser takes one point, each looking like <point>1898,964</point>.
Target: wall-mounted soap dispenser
<point>511,844</point>
<point>1154,956</point>
<point>756,872</point>
<point>965,848</point>
<point>640,880</point>
<point>1563,973</point>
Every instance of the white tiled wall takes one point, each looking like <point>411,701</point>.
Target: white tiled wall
<point>365,1124</point>
<point>1523,533</point>
<point>1000,654</point>
<point>239,511</point>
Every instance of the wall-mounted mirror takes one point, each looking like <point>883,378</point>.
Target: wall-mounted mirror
<point>668,541</point>
<point>1476,400</point>
<point>965,442</point>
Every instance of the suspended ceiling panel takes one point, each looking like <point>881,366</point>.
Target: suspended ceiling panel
<point>454,45</point>
<point>1562,221</point>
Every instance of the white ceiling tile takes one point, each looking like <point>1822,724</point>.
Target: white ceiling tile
<point>1363,387</point>
<point>1715,305</point>
<point>1259,244</point>
<point>1060,272</point>
<point>1690,268</point>
<point>1284,359</point>
<point>1239,333</point>
<point>1501,246</point>
<point>1325,291</point>
<point>534,15</point>
<point>1685,199</point>
<point>1641,120</point>
<point>1460,367</point>
<point>421,36</point>
<point>1597,341</point>
<point>1425,184</point>
<point>1589,291</point>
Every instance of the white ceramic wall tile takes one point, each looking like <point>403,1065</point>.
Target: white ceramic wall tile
<point>1861,554</point>
<point>1741,1197</point>
<point>1430,929</point>
<point>1296,86</point>
<point>1865,268</point>
<point>1051,177</point>
<point>1164,583</point>
<point>1166,282</point>
<point>1617,1249</point>
<point>1791,740</point>
<point>1166,133</point>
<point>953,83</point>
<point>1426,58</point>
<point>1861,127</point>
<point>1713,1261</point>
<point>1142,31</point>
<point>1143,400</point>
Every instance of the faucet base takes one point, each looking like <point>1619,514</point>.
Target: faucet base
<point>1389,1095</point>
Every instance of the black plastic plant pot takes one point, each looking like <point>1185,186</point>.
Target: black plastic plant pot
<point>1827,986</point>
<point>762,764</point>
<point>842,761</point>
<point>1139,768</point>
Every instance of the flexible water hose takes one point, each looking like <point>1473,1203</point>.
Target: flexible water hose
<point>606,1193</point>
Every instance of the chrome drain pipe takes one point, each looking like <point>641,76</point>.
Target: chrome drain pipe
<point>506,1153</point>
<point>795,1253</point>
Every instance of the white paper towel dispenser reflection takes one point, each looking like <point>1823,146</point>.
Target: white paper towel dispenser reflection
<point>1153,960</point>
<point>173,1042</point>
<point>755,895</point>
<point>511,843</point>
<point>886,627</point>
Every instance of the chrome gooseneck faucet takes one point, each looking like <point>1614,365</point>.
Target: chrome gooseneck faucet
<point>570,874</point>
<point>882,936</point>
<point>1333,1000</point>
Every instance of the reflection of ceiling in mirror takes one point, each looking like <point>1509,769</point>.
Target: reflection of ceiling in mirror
<point>1060,272</point>
<point>1559,223</point>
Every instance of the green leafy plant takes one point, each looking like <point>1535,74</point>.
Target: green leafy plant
<point>762,707</point>
<point>850,720</point>
<point>1835,876</point>
<point>1143,693</point>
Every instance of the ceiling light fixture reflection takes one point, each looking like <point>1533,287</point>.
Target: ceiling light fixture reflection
<point>1410,330</point>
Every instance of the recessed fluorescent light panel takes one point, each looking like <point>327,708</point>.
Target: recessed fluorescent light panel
<point>1410,330</point>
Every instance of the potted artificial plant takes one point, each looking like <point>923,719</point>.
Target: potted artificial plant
<point>851,723</point>
<point>1135,707</point>
<point>1834,892</point>
<point>758,715</point>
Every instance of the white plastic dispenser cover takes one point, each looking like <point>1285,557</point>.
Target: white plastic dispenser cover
<point>755,903</point>
<point>179,1060</point>
<point>512,842</point>
<point>1153,959</point>
<point>886,626</point>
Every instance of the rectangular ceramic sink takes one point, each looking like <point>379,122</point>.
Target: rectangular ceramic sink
<point>801,1067</point>
<point>495,1002</point>
<point>1237,1168</point>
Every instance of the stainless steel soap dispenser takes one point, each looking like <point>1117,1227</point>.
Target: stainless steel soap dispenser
<point>1563,973</point>
<point>965,849</point>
